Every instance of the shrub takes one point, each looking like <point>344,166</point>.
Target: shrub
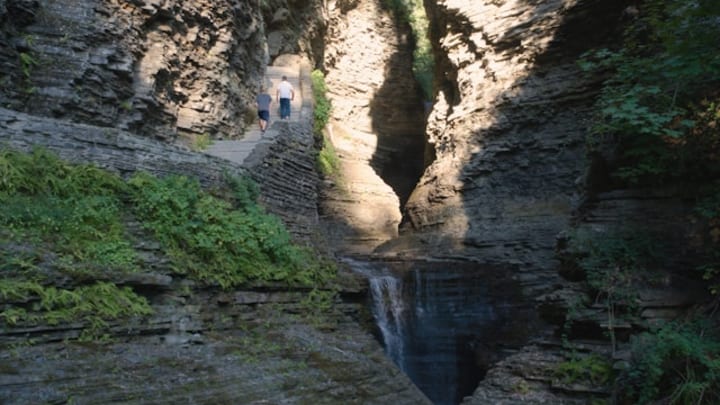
<point>662,83</point>
<point>678,364</point>
<point>327,160</point>
<point>210,240</point>
<point>591,369</point>
<point>615,265</point>
<point>322,103</point>
<point>201,142</point>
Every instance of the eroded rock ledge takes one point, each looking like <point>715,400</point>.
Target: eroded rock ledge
<point>201,345</point>
<point>118,84</point>
<point>161,69</point>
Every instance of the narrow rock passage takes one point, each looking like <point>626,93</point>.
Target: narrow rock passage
<point>372,88</point>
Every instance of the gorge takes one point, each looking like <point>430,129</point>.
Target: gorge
<point>494,241</point>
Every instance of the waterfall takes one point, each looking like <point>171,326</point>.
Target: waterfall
<point>388,308</point>
<point>442,322</point>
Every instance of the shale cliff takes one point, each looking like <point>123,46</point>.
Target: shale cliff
<point>164,69</point>
<point>511,180</point>
<point>161,69</point>
<point>377,123</point>
<point>140,86</point>
<point>508,125</point>
<point>503,179</point>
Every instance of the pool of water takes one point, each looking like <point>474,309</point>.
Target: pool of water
<point>445,323</point>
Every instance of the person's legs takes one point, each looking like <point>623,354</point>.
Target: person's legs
<point>284,108</point>
<point>264,119</point>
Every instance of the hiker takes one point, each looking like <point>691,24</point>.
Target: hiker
<point>285,93</point>
<point>263,101</point>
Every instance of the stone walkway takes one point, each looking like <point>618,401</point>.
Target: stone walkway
<point>239,150</point>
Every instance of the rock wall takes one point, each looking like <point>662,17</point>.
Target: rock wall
<point>201,345</point>
<point>376,124</point>
<point>112,149</point>
<point>511,174</point>
<point>161,69</point>
<point>507,127</point>
<point>94,81</point>
<point>295,27</point>
<point>255,344</point>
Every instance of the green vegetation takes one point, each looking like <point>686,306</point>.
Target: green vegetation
<point>72,210</point>
<point>127,105</point>
<point>678,364</point>
<point>63,223</point>
<point>27,63</point>
<point>201,142</point>
<point>615,265</point>
<point>62,218</point>
<point>413,13</point>
<point>328,162</point>
<point>591,369</point>
<point>661,99</point>
<point>212,240</point>
<point>322,108</point>
<point>94,304</point>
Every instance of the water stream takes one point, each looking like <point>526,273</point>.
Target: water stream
<point>444,323</point>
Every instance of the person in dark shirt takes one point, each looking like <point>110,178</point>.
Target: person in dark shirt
<point>263,101</point>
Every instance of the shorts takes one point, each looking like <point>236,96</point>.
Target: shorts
<point>264,115</point>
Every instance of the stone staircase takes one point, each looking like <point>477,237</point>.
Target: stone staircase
<point>239,151</point>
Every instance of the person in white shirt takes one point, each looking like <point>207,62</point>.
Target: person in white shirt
<point>285,94</point>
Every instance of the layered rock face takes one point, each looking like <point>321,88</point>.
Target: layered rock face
<point>508,125</point>
<point>508,130</point>
<point>92,80</point>
<point>377,122</point>
<point>202,344</point>
<point>157,68</point>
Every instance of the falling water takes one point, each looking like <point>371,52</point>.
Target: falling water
<point>442,323</point>
<point>388,311</point>
<point>388,307</point>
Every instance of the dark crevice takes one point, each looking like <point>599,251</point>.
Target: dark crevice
<point>398,119</point>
